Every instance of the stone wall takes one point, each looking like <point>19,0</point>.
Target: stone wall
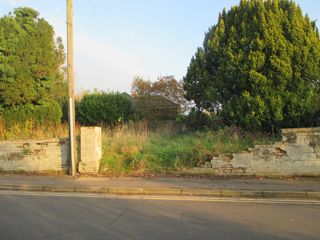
<point>51,154</point>
<point>297,154</point>
<point>34,155</point>
<point>90,150</point>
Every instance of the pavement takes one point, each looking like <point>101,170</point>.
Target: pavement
<point>250,187</point>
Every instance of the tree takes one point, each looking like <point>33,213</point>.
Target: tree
<point>31,60</point>
<point>166,86</point>
<point>197,81</point>
<point>260,64</point>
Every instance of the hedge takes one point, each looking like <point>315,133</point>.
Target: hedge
<point>103,108</point>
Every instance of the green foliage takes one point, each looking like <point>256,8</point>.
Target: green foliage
<point>197,83</point>
<point>31,73</point>
<point>165,86</point>
<point>197,120</point>
<point>103,108</point>
<point>47,112</point>
<point>154,108</point>
<point>259,66</point>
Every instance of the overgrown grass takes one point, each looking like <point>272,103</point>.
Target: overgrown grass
<point>31,130</point>
<point>136,151</point>
<point>133,149</point>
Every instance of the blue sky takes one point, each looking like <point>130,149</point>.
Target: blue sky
<point>116,40</point>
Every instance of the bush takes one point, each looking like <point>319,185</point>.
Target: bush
<point>103,108</point>
<point>45,113</point>
<point>197,120</point>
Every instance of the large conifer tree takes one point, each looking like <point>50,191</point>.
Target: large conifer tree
<point>31,60</point>
<point>260,64</point>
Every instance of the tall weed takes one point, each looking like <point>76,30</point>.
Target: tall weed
<point>130,149</point>
<point>30,129</point>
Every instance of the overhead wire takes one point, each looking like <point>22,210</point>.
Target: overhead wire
<point>99,26</point>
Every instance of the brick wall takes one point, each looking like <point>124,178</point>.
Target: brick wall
<point>34,155</point>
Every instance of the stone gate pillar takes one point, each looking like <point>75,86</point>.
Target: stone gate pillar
<point>90,149</point>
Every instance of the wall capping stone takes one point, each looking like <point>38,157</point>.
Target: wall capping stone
<point>300,130</point>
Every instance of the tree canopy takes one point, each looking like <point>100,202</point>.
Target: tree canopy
<point>165,86</point>
<point>31,60</point>
<point>260,65</point>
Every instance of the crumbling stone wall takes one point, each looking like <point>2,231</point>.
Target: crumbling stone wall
<point>51,154</point>
<point>297,154</point>
<point>34,155</point>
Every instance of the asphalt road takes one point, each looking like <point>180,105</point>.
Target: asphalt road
<point>59,216</point>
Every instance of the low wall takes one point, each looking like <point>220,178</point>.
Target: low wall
<point>52,154</point>
<point>297,154</point>
<point>34,155</point>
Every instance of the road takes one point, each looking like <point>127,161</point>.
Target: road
<point>80,216</point>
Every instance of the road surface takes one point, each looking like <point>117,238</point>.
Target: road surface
<point>80,216</point>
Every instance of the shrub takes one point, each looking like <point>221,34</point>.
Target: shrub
<point>45,113</point>
<point>197,120</point>
<point>103,108</point>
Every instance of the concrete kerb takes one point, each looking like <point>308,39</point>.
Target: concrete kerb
<point>241,193</point>
<point>32,188</point>
<point>168,191</point>
<point>92,189</point>
<point>59,189</point>
<point>7,187</point>
<point>285,194</point>
<point>163,191</point>
<point>201,192</point>
<point>313,195</point>
<point>126,191</point>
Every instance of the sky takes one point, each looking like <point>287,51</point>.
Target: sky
<point>116,40</point>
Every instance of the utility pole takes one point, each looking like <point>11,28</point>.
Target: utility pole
<point>70,73</point>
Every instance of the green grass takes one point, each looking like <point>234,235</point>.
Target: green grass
<point>136,151</point>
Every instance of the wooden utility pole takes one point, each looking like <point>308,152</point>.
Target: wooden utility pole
<point>71,109</point>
